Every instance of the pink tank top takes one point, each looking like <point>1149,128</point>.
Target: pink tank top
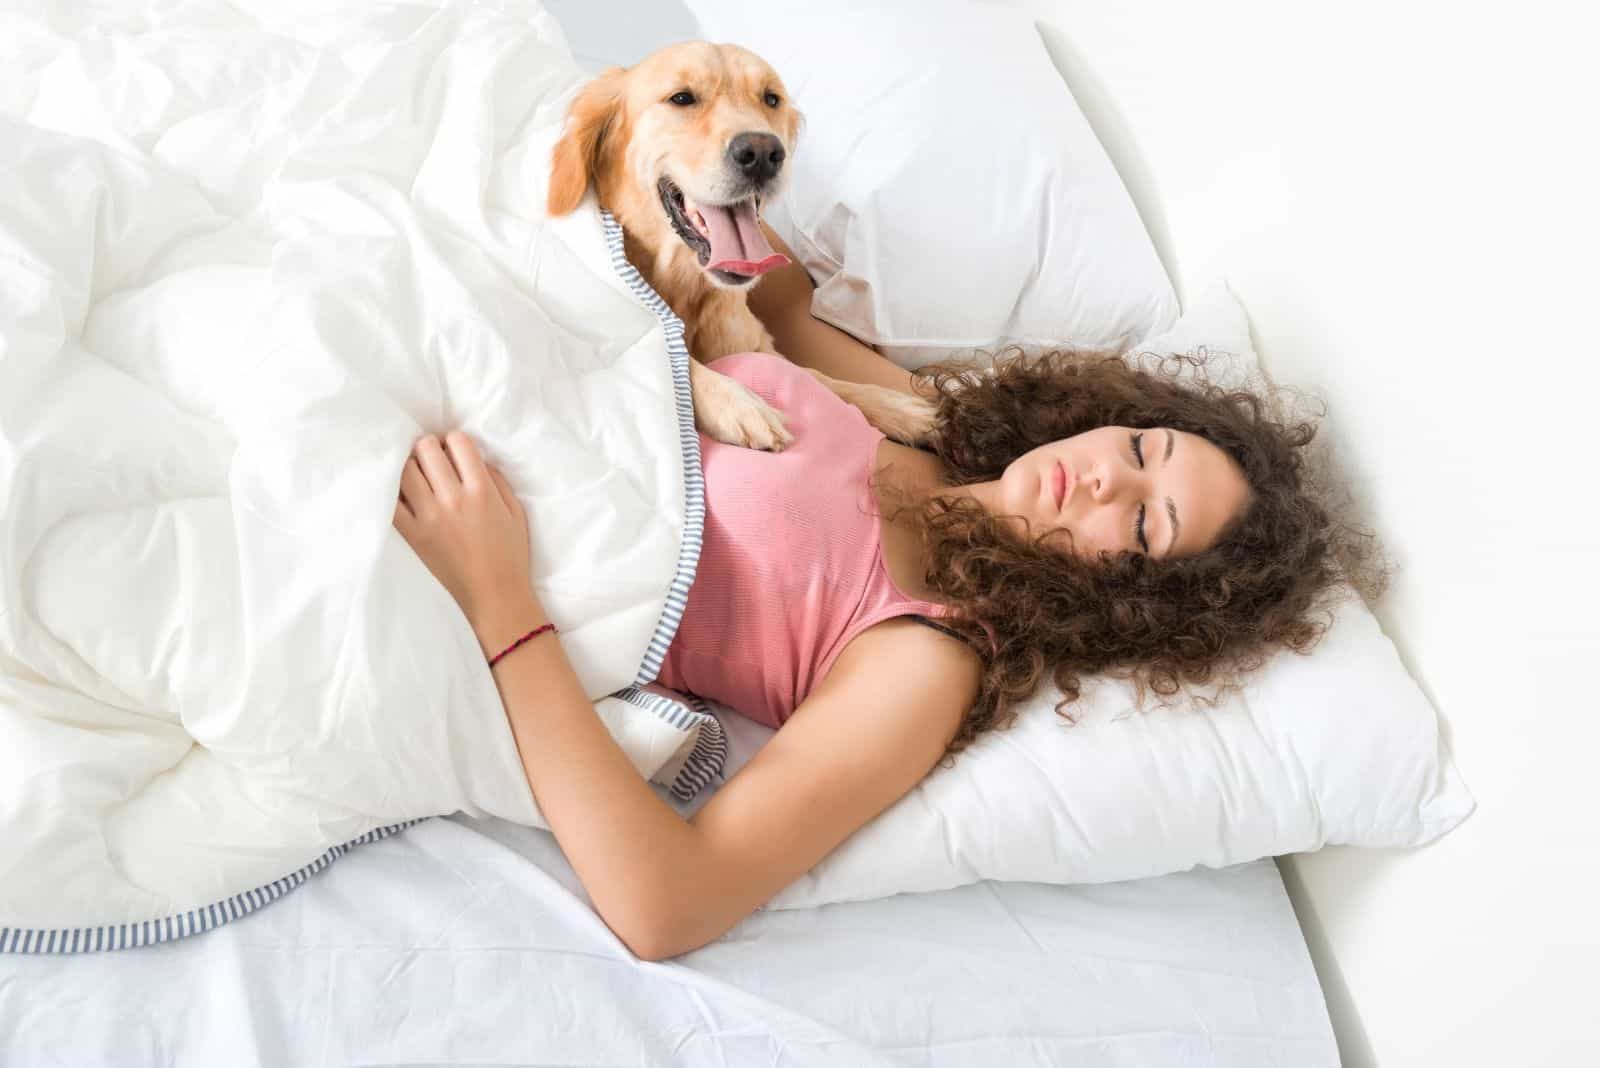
<point>791,565</point>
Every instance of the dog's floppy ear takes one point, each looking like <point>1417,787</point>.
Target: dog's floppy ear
<point>578,152</point>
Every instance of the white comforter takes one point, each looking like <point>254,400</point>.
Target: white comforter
<point>248,253</point>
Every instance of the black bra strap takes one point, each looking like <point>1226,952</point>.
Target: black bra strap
<point>925,621</point>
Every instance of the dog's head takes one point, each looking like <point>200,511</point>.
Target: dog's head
<point>683,148</point>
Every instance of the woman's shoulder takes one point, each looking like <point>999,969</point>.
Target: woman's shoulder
<point>871,672</point>
<point>881,652</point>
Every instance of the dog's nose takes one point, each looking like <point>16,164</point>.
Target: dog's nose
<point>759,156</point>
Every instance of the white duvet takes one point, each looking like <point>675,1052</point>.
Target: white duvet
<point>248,253</point>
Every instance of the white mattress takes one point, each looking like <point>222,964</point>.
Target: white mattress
<point>464,941</point>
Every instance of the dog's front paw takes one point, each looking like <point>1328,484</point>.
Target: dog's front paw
<point>899,416</point>
<point>730,413</point>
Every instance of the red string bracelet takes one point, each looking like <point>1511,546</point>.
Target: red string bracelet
<point>534,633</point>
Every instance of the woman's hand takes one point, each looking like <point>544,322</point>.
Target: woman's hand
<point>460,517</point>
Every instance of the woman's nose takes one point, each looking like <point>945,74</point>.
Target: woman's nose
<point>1112,482</point>
<point>1106,483</point>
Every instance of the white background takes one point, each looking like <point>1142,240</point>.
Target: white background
<point>1404,198</point>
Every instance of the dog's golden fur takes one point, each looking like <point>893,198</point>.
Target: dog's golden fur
<point>626,133</point>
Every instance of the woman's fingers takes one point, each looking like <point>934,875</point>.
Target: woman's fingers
<point>513,505</point>
<point>468,462</point>
<point>414,488</point>
<point>437,468</point>
<point>444,469</point>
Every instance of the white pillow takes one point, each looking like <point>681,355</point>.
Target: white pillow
<point>1336,747</point>
<point>946,191</point>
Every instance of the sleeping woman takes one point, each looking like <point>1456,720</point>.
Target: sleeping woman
<point>885,605</point>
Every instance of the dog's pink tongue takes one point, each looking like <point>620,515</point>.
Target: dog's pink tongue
<point>737,243</point>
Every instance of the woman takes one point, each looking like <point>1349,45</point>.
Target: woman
<point>1077,515</point>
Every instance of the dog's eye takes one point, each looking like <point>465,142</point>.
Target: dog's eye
<point>772,99</point>
<point>683,98</point>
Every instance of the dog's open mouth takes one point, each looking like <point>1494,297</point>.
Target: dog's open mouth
<point>727,238</point>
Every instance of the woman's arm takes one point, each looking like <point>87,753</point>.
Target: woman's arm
<point>782,301</point>
<point>861,740</point>
<point>666,886</point>
<point>622,840</point>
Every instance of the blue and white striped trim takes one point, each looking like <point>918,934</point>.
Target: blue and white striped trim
<point>705,762</point>
<point>171,928</point>
<point>694,483</point>
<point>711,748</point>
<point>710,753</point>
<point>710,756</point>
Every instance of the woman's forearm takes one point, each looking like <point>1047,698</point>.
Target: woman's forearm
<point>782,301</point>
<point>621,839</point>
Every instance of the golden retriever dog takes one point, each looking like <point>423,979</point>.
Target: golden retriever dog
<point>683,149</point>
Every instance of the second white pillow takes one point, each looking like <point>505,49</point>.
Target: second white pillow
<point>947,192</point>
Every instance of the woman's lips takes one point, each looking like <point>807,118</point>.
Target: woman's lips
<point>1059,482</point>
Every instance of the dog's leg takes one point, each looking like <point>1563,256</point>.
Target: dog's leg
<point>730,413</point>
<point>900,416</point>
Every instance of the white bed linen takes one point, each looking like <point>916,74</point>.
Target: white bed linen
<point>465,941</point>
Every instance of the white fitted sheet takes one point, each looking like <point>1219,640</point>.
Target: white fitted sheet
<point>463,941</point>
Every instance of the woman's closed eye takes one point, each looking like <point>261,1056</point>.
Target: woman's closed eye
<point>1138,519</point>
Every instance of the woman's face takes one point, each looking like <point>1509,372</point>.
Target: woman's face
<point>1157,491</point>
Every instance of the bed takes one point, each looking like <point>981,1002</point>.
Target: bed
<point>465,940</point>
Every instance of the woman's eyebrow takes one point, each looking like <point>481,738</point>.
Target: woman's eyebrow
<point>1172,509</point>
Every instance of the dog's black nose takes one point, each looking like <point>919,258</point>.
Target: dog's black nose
<point>759,156</point>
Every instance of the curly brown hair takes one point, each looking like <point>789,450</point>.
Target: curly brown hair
<point>1170,625</point>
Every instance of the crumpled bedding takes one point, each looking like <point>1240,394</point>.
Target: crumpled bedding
<point>249,252</point>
